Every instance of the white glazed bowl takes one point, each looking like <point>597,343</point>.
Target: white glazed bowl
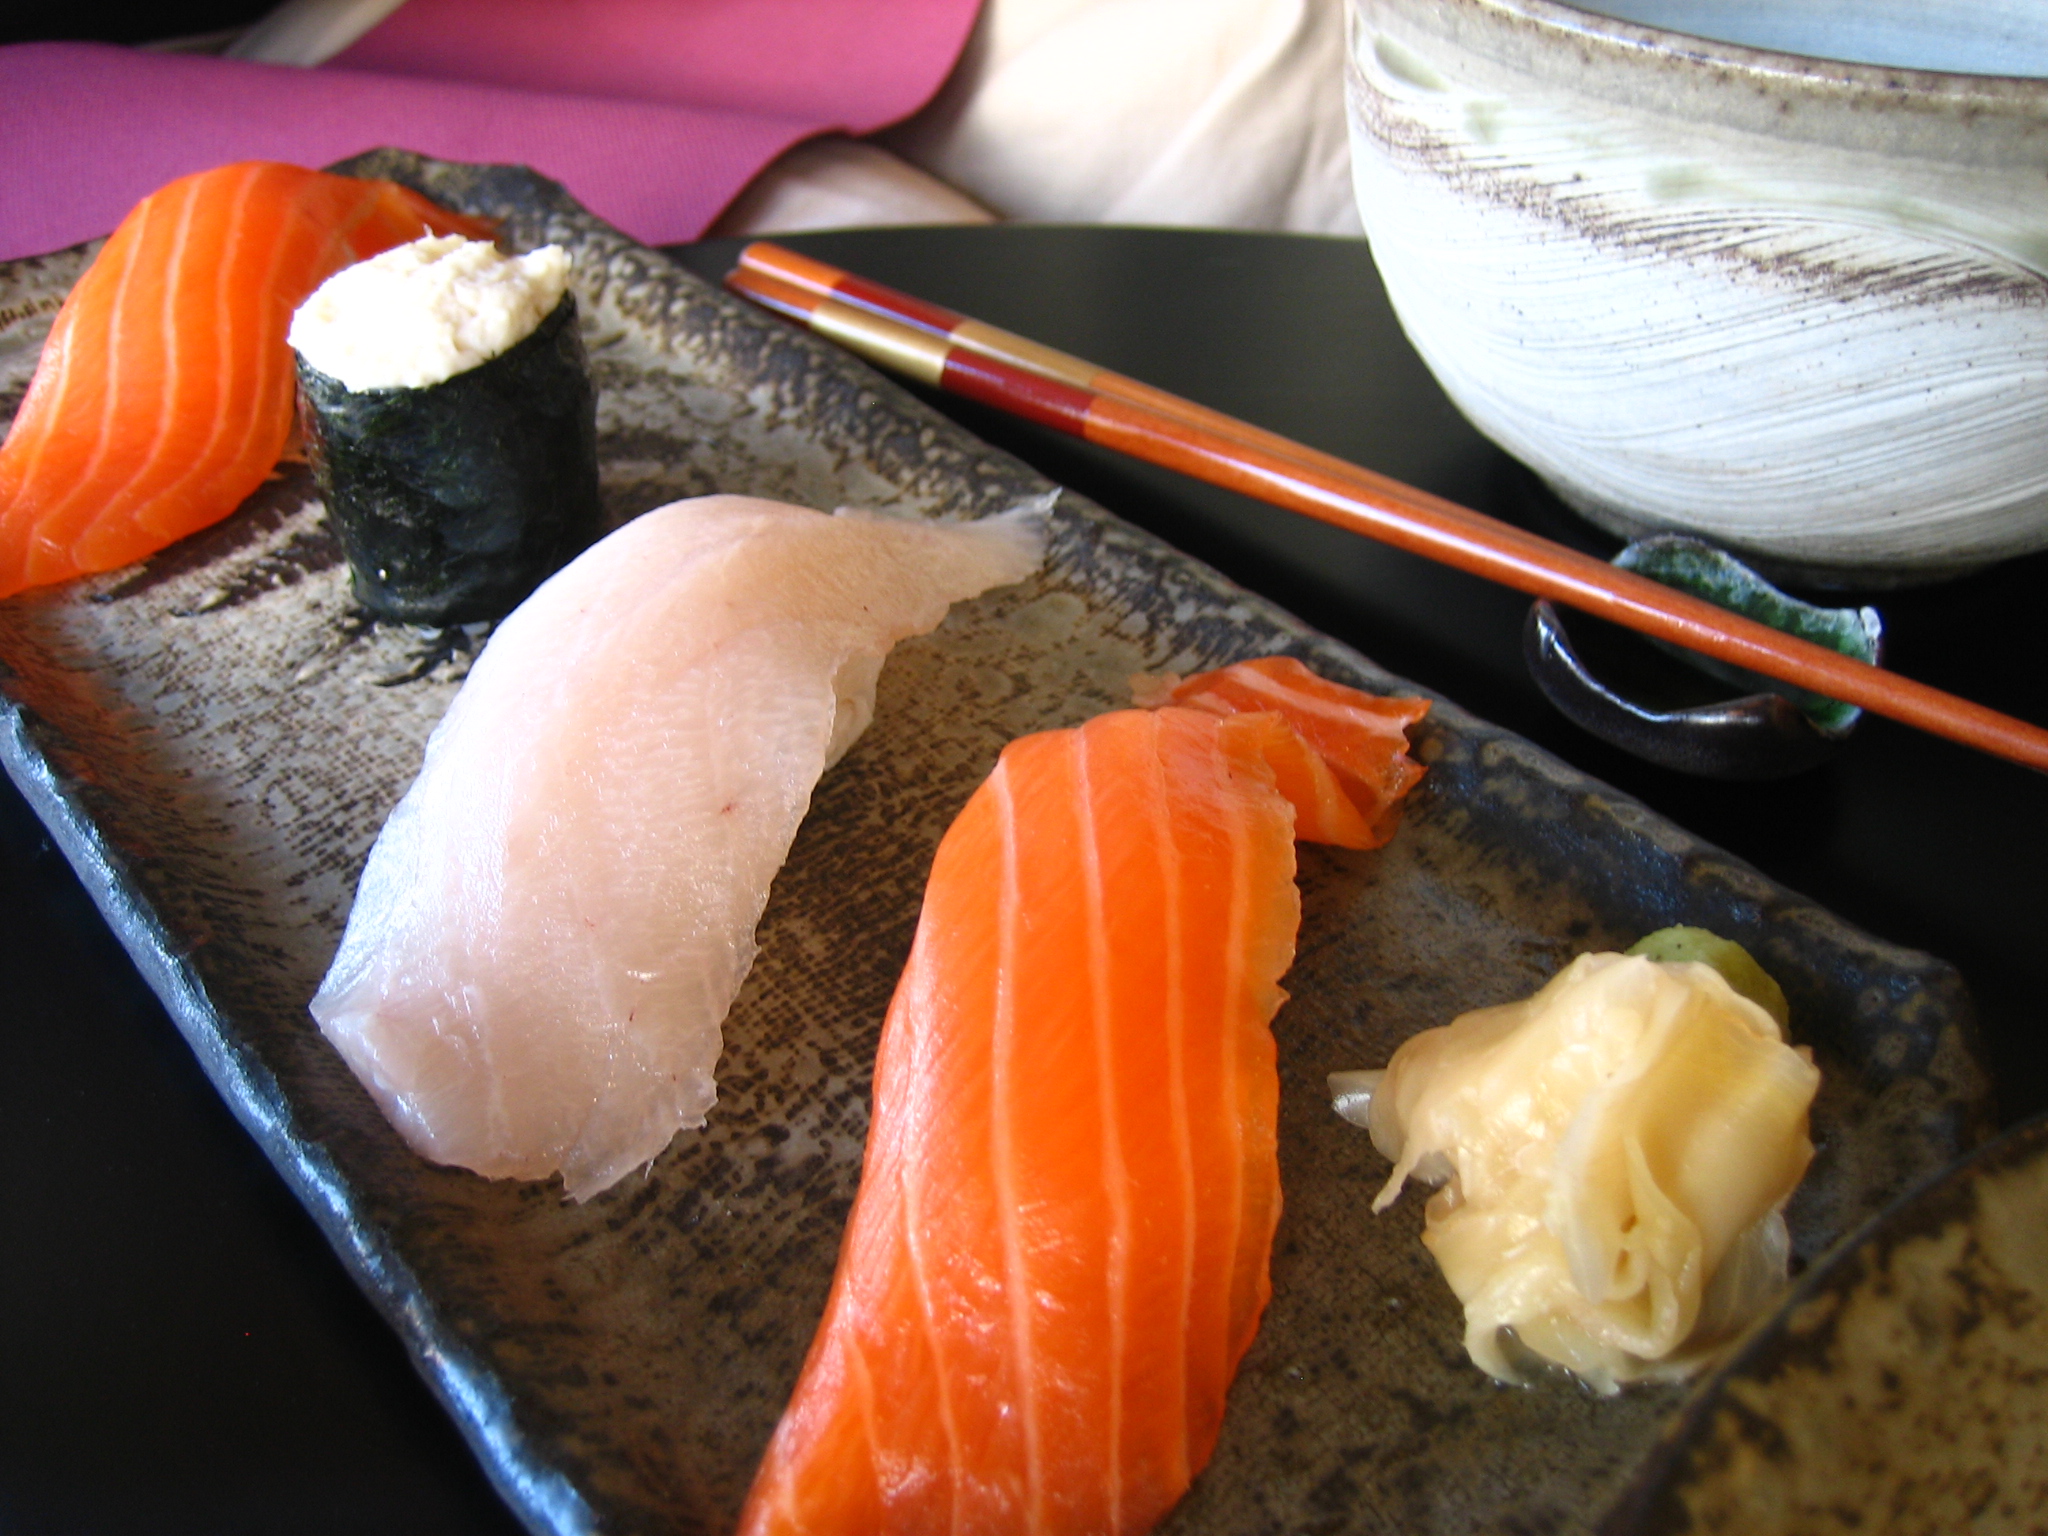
<point>1796,307</point>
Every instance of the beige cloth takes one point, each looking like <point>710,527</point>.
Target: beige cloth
<point>1223,113</point>
<point>840,183</point>
<point>309,32</point>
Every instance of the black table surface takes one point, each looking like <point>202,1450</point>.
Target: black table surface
<point>179,1350</point>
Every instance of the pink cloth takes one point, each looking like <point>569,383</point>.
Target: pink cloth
<point>858,63</point>
<point>654,113</point>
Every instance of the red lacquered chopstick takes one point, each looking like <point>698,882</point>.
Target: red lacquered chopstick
<point>948,351</point>
<point>829,282</point>
<point>777,277</point>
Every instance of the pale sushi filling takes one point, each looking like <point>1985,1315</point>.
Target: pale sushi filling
<point>419,314</point>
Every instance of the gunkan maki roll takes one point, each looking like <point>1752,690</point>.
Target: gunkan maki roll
<point>450,422</point>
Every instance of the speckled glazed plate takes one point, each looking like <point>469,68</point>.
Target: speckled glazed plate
<point>1898,1389</point>
<point>214,738</point>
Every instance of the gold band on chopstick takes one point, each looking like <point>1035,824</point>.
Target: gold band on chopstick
<point>1018,352</point>
<point>890,344</point>
<point>792,270</point>
<point>900,348</point>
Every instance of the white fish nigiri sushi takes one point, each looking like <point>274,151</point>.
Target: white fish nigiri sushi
<point>557,916</point>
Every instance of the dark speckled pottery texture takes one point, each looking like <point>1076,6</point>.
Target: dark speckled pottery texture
<point>214,737</point>
<point>1900,1387</point>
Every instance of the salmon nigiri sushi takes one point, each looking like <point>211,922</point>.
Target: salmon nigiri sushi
<point>164,393</point>
<point>1059,1251</point>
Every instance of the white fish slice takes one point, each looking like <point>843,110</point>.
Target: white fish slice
<point>557,916</point>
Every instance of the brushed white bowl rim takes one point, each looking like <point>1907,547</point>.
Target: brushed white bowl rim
<point>1746,20</point>
<point>1640,35</point>
<point>1926,114</point>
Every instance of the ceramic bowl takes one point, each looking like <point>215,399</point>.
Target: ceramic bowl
<point>1792,305</point>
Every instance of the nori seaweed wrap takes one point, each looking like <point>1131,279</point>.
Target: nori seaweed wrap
<point>455,500</point>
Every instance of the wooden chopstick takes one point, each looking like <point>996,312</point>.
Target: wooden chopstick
<point>773,275</point>
<point>947,351</point>
<point>829,282</point>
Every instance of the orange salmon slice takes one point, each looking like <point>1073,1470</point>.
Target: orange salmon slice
<point>163,396</point>
<point>1059,1251</point>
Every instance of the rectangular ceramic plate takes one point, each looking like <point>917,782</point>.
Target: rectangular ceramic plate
<point>216,736</point>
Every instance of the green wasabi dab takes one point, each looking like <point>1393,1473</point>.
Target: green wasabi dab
<point>1737,966</point>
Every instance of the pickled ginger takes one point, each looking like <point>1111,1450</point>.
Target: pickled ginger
<point>1615,1154</point>
<point>557,916</point>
